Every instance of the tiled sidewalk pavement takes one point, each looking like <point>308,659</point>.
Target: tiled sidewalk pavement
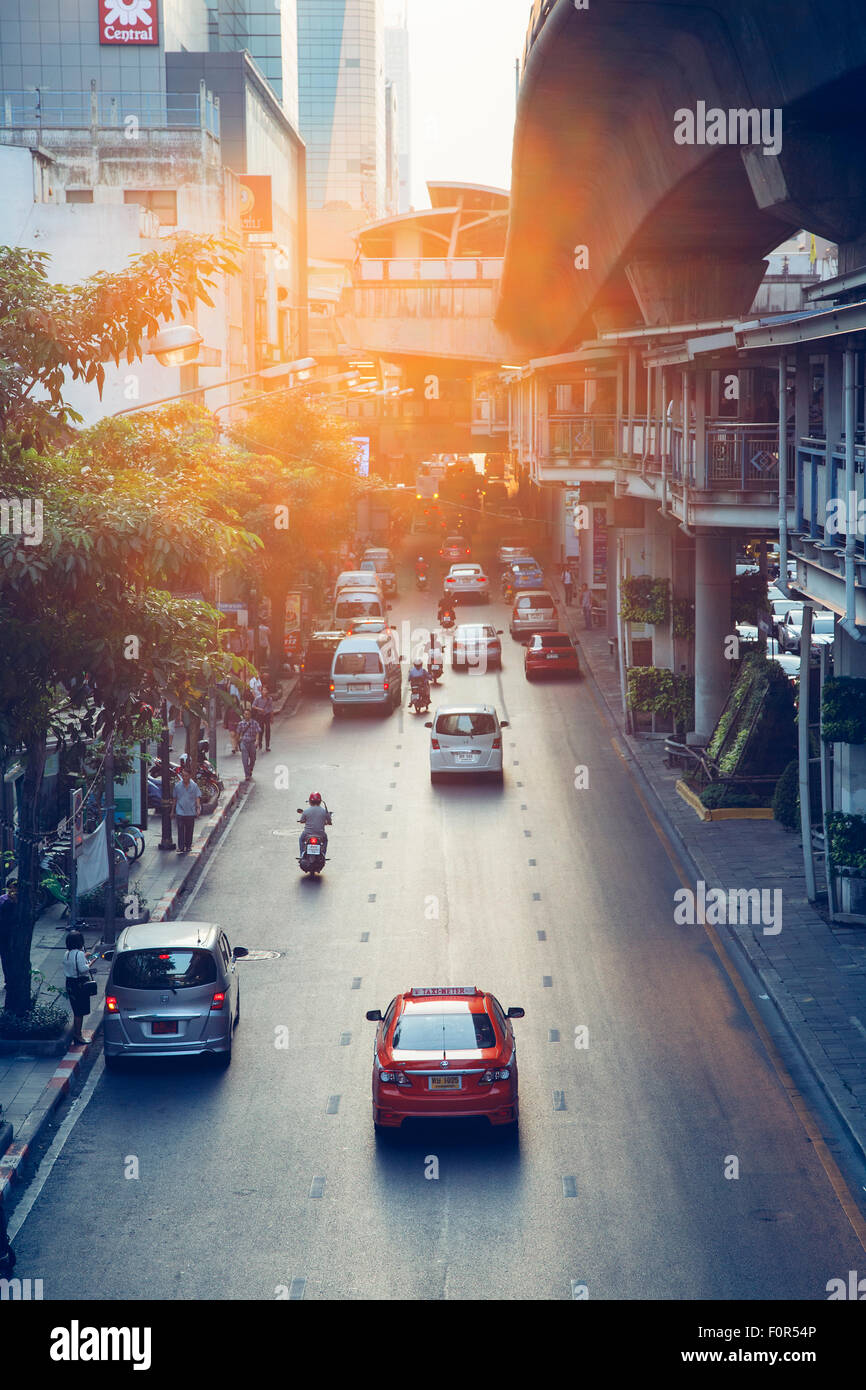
<point>31,1085</point>
<point>814,972</point>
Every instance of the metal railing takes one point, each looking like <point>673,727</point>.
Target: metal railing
<point>583,436</point>
<point>421,269</point>
<point>108,110</point>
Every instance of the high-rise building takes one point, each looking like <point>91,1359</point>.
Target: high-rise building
<point>341,79</point>
<point>397,73</point>
<point>268,30</point>
<point>392,150</point>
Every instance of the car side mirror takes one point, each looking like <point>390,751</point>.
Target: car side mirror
<point>516,1013</point>
<point>300,810</point>
<point>503,723</point>
<point>239,952</point>
<point>106,955</point>
<point>374,1015</point>
<point>428,724</point>
<point>499,632</point>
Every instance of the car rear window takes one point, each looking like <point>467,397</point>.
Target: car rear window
<point>319,655</point>
<point>164,968</point>
<point>358,664</point>
<point>359,608</point>
<point>453,725</point>
<point>451,1032</point>
<point>539,600</point>
<point>553,639</point>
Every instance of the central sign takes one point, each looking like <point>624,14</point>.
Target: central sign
<point>128,22</point>
<point>256,203</point>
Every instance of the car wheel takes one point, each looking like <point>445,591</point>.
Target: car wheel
<point>435,777</point>
<point>112,1061</point>
<point>530,675</point>
<point>336,711</point>
<point>238,1011</point>
<point>224,1059</point>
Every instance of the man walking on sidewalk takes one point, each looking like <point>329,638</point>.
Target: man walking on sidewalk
<point>567,583</point>
<point>248,732</point>
<point>187,805</point>
<point>263,708</point>
<point>586,604</point>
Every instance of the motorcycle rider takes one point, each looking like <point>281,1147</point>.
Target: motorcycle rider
<point>419,682</point>
<point>314,821</point>
<point>421,568</point>
<point>436,659</point>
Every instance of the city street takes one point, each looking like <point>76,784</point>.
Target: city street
<point>555,896</point>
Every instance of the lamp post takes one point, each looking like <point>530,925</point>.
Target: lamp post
<point>165,790</point>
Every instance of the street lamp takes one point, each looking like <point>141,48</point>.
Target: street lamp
<point>176,346</point>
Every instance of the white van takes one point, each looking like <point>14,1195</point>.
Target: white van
<point>352,604</point>
<point>366,671</point>
<point>358,579</point>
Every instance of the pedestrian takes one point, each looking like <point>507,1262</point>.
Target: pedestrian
<point>248,733</point>
<point>255,686</point>
<point>187,805</point>
<point>263,708</point>
<point>8,913</point>
<point>232,720</point>
<point>7,1254</point>
<point>80,985</point>
<point>567,583</point>
<point>586,604</point>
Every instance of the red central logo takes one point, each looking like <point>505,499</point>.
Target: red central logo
<point>128,21</point>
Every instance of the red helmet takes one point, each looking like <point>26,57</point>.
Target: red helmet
<point>315,798</point>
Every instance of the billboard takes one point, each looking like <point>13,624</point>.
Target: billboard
<point>256,206</point>
<point>362,457</point>
<point>130,22</point>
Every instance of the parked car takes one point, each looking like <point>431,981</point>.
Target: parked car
<point>366,671</point>
<point>550,653</point>
<point>533,611</point>
<point>466,739</point>
<point>467,581</point>
<point>477,645</point>
<point>382,561</point>
<point>317,658</point>
<point>791,629</point>
<point>455,548</point>
<point>172,991</point>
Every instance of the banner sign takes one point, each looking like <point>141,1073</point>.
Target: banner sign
<point>256,205</point>
<point>362,457</point>
<point>130,22</point>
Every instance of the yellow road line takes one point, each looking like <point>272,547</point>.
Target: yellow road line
<point>786,1081</point>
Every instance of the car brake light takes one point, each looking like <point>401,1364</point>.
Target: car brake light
<point>386,685</point>
<point>497,743</point>
<point>434,743</point>
<point>303,665</point>
<point>111,1003</point>
<point>494,1074</point>
<point>395,1078</point>
<point>219,1000</point>
<point>331,686</point>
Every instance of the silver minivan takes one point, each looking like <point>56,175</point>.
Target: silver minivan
<point>358,579</point>
<point>172,991</point>
<point>533,610</point>
<point>352,604</point>
<point>366,671</point>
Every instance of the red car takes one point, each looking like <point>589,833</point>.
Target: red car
<point>550,653</point>
<point>444,1052</point>
<point>456,548</point>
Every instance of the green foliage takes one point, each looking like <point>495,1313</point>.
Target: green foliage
<point>786,797</point>
<point>683,618</point>
<point>41,1021</point>
<point>846,840</point>
<point>655,690</point>
<point>645,600</point>
<point>92,904</point>
<point>721,794</point>
<point>843,710</point>
<point>755,735</point>
<point>748,596</point>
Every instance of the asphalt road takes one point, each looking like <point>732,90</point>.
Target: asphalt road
<point>555,898</point>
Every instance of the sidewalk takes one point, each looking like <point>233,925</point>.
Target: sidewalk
<point>32,1085</point>
<point>814,972</point>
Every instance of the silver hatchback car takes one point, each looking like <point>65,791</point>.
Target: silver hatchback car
<point>172,991</point>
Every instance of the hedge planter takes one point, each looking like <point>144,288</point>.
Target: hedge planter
<point>843,710</point>
<point>658,691</point>
<point>846,843</point>
<point>707,813</point>
<point>645,600</point>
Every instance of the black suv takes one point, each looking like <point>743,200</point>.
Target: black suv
<point>317,659</point>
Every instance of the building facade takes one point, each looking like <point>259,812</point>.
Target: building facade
<point>397,72</point>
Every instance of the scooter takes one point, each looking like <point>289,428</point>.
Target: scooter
<point>434,670</point>
<point>422,581</point>
<point>313,859</point>
<point>448,620</point>
<point>419,699</point>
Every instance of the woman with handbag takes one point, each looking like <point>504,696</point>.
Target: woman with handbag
<point>80,985</point>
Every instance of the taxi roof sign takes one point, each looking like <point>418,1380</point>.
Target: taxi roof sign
<point>429,991</point>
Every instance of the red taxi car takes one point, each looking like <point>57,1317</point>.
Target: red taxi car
<point>550,653</point>
<point>444,1052</point>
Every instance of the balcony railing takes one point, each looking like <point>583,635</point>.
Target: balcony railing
<point>44,110</point>
<point>824,511</point>
<point>583,436</point>
<point>462,269</point>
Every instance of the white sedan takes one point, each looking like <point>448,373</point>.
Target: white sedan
<point>467,581</point>
<point>466,739</point>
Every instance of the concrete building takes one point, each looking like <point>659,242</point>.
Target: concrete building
<point>398,73</point>
<point>268,30</point>
<point>392,150</point>
<point>341,81</point>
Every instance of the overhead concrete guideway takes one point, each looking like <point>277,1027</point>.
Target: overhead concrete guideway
<point>674,232</point>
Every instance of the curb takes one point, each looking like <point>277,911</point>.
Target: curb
<point>787,1011</point>
<point>14,1156</point>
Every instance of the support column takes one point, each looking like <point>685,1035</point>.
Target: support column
<point>714,567</point>
<point>850,765</point>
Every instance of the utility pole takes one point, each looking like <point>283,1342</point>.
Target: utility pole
<point>516,81</point>
<point>165,789</point>
<point>803,732</point>
<point>110,886</point>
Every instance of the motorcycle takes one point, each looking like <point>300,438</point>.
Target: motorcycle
<point>206,766</point>
<point>313,859</point>
<point>422,581</point>
<point>448,619</point>
<point>434,670</point>
<point>419,699</point>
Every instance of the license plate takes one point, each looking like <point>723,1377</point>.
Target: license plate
<point>466,757</point>
<point>553,656</point>
<point>361,687</point>
<point>162,1026</point>
<point>314,849</point>
<point>445,1083</point>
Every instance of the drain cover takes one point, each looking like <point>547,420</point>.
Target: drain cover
<point>260,955</point>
